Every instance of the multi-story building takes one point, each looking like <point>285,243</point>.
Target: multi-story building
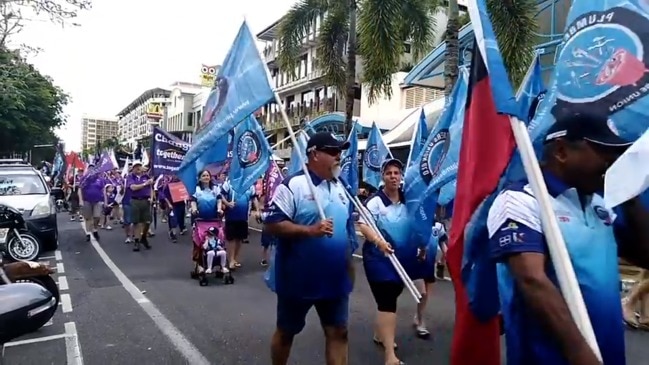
<point>96,129</point>
<point>304,96</point>
<point>136,121</point>
<point>182,113</point>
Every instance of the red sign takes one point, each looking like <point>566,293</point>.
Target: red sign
<point>178,192</point>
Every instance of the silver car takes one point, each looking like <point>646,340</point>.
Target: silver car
<point>24,188</point>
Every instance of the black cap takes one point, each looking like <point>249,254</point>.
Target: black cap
<point>323,141</point>
<point>592,128</point>
<point>391,162</point>
<point>212,230</point>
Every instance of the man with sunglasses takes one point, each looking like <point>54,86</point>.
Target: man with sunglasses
<point>538,326</point>
<point>313,255</point>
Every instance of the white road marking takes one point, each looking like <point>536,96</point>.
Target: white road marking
<point>63,283</point>
<point>355,255</point>
<point>35,340</point>
<point>179,341</point>
<point>72,348</point>
<point>57,255</point>
<point>66,303</point>
<point>46,258</point>
<point>44,262</point>
<point>60,269</point>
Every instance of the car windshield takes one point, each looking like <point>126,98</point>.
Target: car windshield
<point>27,184</point>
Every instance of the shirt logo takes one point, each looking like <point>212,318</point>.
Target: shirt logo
<point>604,215</point>
<point>511,226</point>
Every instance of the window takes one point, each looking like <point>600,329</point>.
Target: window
<point>190,119</point>
<point>28,184</point>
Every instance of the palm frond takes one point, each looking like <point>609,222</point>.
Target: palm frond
<point>380,44</point>
<point>331,44</point>
<point>514,24</point>
<point>418,19</point>
<point>293,28</point>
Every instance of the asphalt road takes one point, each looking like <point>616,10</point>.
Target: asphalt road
<point>124,307</point>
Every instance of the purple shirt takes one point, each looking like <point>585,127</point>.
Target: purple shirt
<point>92,189</point>
<point>141,194</point>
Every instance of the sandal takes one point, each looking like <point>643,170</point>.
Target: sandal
<point>379,343</point>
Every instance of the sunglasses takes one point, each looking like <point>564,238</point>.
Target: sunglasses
<point>331,151</point>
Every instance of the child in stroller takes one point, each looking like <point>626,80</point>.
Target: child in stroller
<point>213,247</point>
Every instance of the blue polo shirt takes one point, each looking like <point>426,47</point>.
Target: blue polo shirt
<point>514,225</point>
<point>312,268</point>
<point>393,222</point>
<point>206,201</point>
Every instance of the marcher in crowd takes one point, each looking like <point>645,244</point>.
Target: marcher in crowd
<point>237,211</point>
<point>139,184</point>
<point>313,255</point>
<point>388,210</point>
<point>91,196</point>
<point>539,329</point>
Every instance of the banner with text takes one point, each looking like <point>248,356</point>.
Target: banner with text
<point>168,152</point>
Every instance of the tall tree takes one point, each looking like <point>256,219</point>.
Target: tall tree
<point>375,30</point>
<point>31,106</point>
<point>15,14</point>
<point>515,26</point>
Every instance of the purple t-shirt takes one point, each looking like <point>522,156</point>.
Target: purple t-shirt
<point>92,189</point>
<point>142,193</point>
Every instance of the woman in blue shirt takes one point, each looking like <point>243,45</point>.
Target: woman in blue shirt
<point>388,210</point>
<point>206,201</point>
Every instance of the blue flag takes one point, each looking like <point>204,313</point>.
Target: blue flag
<point>241,87</point>
<point>419,139</point>
<point>251,155</point>
<point>375,153</point>
<point>349,163</point>
<point>532,90</point>
<point>602,69</point>
<point>168,152</point>
<point>420,198</point>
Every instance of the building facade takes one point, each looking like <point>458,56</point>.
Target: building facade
<point>97,130</point>
<point>136,121</point>
<point>181,117</point>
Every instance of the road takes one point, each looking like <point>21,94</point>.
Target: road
<point>123,307</point>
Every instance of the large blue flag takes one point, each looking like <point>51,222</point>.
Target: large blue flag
<point>601,69</point>
<point>375,153</point>
<point>532,90</point>
<point>349,163</point>
<point>420,136</point>
<point>427,167</point>
<point>241,87</point>
<point>168,152</point>
<point>251,155</point>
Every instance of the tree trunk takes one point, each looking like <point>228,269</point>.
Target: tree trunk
<point>451,65</point>
<point>350,85</point>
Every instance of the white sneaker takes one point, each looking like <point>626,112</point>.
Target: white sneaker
<point>208,271</point>
<point>128,240</point>
<point>225,270</point>
<point>108,228</point>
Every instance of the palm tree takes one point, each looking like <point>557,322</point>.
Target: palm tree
<point>375,30</point>
<point>515,26</point>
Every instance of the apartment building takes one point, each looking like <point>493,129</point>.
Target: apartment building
<point>95,129</point>
<point>183,111</point>
<point>136,121</point>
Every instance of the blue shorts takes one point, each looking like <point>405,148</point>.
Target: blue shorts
<point>126,209</point>
<point>291,312</point>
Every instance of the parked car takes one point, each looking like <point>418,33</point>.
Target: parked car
<point>24,188</point>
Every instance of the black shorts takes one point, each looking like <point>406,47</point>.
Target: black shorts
<point>236,230</point>
<point>386,294</point>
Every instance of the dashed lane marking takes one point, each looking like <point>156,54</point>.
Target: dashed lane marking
<point>66,303</point>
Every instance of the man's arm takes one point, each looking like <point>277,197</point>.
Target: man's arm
<point>516,239</point>
<point>632,233</point>
<point>280,218</point>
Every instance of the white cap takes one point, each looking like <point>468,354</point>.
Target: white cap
<point>136,162</point>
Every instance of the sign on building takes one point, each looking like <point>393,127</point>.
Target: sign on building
<point>154,111</point>
<point>208,75</point>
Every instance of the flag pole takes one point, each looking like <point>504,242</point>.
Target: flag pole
<point>300,155</point>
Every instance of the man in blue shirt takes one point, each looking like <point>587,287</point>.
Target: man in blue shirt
<point>313,255</point>
<point>538,326</point>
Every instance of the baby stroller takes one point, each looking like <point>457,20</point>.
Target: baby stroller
<point>201,230</point>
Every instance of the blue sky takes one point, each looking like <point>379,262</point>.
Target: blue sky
<point>124,47</point>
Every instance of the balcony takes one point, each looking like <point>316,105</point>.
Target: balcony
<point>311,77</point>
<point>312,109</point>
<point>269,54</point>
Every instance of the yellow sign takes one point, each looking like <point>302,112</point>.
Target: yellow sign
<point>154,111</point>
<point>208,75</point>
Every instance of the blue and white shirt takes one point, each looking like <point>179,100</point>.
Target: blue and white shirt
<point>514,225</point>
<point>206,202</point>
<point>312,267</point>
<point>241,209</point>
<point>393,222</point>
